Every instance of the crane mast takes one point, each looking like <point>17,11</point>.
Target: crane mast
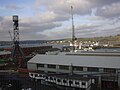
<point>73,30</point>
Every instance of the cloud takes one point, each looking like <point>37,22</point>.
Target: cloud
<point>12,6</point>
<point>37,27</point>
<point>5,23</point>
<point>109,11</point>
<point>1,18</point>
<point>81,7</point>
<point>29,27</point>
<point>63,6</point>
<point>51,16</point>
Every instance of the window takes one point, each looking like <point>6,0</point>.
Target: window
<point>51,72</point>
<point>46,77</point>
<point>55,79</point>
<point>70,82</point>
<point>58,80</point>
<point>83,83</point>
<point>51,78</point>
<point>40,65</point>
<point>77,83</point>
<point>64,81</point>
<point>93,69</point>
<point>40,71</point>
<point>77,68</point>
<point>51,66</point>
<point>109,70</point>
<point>40,75</point>
<point>63,67</point>
<point>36,75</point>
<point>43,76</point>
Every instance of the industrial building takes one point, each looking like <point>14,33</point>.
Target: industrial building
<point>105,68</point>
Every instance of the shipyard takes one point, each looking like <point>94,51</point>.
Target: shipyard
<point>59,45</point>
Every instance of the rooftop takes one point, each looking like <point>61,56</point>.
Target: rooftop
<point>4,52</point>
<point>85,61</point>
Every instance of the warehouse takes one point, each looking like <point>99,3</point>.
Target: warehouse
<point>101,66</point>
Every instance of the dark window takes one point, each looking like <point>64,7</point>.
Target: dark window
<point>64,81</point>
<point>51,72</point>
<point>40,71</point>
<point>40,75</point>
<point>58,80</point>
<point>77,68</point>
<point>43,76</point>
<point>40,65</point>
<point>51,66</point>
<point>46,77</point>
<point>83,83</point>
<point>93,69</point>
<point>70,82</point>
<point>109,70</point>
<point>63,67</point>
<point>54,78</point>
<point>51,78</point>
<point>77,83</point>
<point>36,75</point>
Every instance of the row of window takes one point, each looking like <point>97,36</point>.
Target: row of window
<point>58,80</point>
<point>65,81</point>
<point>78,68</point>
<point>71,82</point>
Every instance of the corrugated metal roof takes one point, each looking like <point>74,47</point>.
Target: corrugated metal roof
<point>87,61</point>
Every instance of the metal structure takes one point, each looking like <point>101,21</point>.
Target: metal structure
<point>73,30</point>
<point>17,54</point>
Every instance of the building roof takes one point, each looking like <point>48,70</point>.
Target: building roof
<point>4,52</point>
<point>85,61</point>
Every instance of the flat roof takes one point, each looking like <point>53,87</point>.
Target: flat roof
<point>85,61</point>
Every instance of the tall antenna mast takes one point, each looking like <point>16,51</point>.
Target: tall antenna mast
<point>73,32</point>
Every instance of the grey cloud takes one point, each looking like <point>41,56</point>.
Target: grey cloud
<point>63,6</point>
<point>5,24</point>
<point>1,18</point>
<point>13,6</point>
<point>109,11</point>
<point>81,7</point>
<point>33,36</point>
<point>38,27</point>
<point>51,16</point>
<point>100,3</point>
<point>86,26</point>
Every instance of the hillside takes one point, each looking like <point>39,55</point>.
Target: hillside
<point>111,39</point>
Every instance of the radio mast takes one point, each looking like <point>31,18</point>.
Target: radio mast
<point>73,31</point>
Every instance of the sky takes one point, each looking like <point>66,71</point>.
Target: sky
<point>51,19</point>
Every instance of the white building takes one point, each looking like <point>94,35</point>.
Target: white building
<point>64,80</point>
